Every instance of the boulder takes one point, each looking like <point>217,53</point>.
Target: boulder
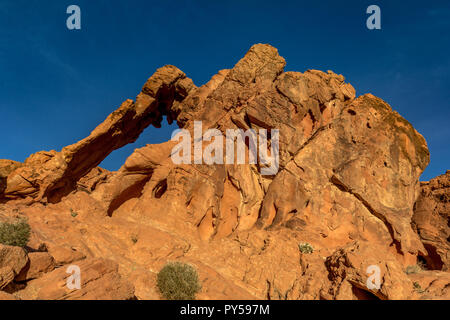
<point>432,221</point>
<point>13,257</point>
<point>38,264</point>
<point>6,167</point>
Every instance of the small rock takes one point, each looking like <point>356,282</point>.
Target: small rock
<point>40,263</point>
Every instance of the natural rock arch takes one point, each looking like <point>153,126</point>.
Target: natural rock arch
<point>51,175</point>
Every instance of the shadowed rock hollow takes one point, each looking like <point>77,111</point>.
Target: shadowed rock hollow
<point>347,184</point>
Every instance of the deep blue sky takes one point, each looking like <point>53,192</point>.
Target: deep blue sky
<point>56,85</point>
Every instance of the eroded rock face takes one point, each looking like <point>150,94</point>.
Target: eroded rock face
<point>365,164</point>
<point>347,182</point>
<point>432,220</point>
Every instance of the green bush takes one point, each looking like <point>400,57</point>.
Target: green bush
<point>15,233</point>
<point>305,248</point>
<point>73,213</point>
<point>178,281</point>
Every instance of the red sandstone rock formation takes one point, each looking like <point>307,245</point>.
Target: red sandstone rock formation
<point>347,184</point>
<point>52,174</point>
<point>432,220</point>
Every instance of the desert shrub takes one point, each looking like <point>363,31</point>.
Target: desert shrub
<point>422,264</point>
<point>413,269</point>
<point>73,213</point>
<point>305,247</point>
<point>178,281</point>
<point>418,288</point>
<point>15,233</point>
